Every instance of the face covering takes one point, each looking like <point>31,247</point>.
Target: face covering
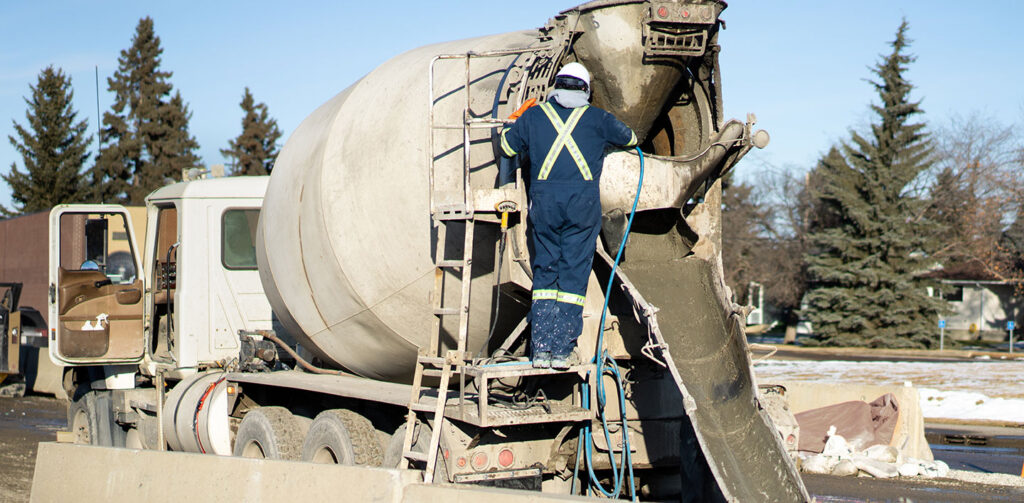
<point>570,98</point>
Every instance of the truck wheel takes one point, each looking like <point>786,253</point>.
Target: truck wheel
<point>91,420</point>
<point>393,456</point>
<point>269,433</point>
<point>82,418</point>
<point>342,437</point>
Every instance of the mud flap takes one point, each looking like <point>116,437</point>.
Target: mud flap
<point>696,335</point>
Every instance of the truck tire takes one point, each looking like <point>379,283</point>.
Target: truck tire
<point>269,433</point>
<point>393,456</point>
<point>82,418</point>
<point>342,437</point>
<point>91,419</point>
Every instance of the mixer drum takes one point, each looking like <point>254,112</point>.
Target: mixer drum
<point>346,242</point>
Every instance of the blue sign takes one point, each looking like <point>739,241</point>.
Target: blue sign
<point>1009,325</point>
<point>942,323</point>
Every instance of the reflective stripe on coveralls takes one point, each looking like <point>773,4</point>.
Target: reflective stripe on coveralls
<point>505,146</point>
<point>564,139</point>
<point>545,294</point>
<point>571,298</point>
<point>632,139</point>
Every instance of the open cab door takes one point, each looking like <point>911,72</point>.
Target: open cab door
<point>96,289</point>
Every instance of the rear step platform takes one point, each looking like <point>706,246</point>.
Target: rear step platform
<point>480,408</point>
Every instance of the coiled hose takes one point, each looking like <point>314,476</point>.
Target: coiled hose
<point>605,364</point>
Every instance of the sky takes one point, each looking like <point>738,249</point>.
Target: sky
<point>800,65</point>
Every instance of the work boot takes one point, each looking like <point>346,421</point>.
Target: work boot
<point>542,360</point>
<point>564,362</point>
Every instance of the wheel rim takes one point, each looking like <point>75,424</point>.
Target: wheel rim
<point>80,427</point>
<point>253,450</point>
<point>325,456</point>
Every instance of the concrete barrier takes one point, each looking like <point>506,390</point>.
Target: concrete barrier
<point>68,472</point>
<point>909,434</point>
<point>42,375</point>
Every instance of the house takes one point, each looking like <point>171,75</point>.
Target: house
<point>981,309</point>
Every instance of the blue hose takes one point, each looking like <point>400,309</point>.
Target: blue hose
<point>605,364</point>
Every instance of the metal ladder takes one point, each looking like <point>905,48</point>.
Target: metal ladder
<point>466,203</point>
<point>429,363</point>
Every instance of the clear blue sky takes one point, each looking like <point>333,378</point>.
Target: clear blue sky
<point>799,65</point>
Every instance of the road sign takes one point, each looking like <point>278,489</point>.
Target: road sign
<point>1009,325</point>
<point>942,323</point>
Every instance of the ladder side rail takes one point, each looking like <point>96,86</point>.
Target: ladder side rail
<point>437,300</point>
<point>430,132</point>
<point>435,434</point>
<point>467,268</point>
<point>410,418</point>
<point>467,190</point>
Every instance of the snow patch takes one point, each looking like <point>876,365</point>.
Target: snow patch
<point>989,390</point>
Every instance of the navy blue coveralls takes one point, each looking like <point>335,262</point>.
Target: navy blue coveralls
<point>566,148</point>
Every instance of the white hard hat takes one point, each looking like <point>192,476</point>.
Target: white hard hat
<point>575,70</point>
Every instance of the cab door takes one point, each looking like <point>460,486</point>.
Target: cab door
<point>96,289</point>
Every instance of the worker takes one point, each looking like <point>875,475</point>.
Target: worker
<point>565,139</point>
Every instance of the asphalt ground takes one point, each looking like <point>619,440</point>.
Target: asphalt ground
<point>978,448</point>
<point>826,488</point>
<point>24,422</point>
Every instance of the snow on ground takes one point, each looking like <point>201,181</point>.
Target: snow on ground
<point>957,390</point>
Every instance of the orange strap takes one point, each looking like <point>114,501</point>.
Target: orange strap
<point>529,103</point>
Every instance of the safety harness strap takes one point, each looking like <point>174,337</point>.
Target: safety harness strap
<point>564,139</point>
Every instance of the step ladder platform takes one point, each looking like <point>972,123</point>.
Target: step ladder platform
<point>550,412</point>
<point>522,369</point>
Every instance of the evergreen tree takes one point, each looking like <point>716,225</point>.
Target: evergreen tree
<point>53,152</point>
<point>870,248</point>
<point>145,139</point>
<point>255,149</point>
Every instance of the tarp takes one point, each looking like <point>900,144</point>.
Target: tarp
<point>862,424</point>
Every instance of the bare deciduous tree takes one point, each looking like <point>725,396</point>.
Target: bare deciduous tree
<point>977,190</point>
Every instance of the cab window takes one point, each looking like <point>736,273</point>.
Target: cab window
<point>97,242</point>
<point>238,238</point>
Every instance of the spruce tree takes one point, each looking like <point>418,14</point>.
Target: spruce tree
<point>145,136</point>
<point>53,148</point>
<point>255,149</point>
<point>869,251</point>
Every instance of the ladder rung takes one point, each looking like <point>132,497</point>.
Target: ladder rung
<point>451,263</point>
<point>446,311</point>
<point>431,360</point>
<point>415,456</point>
<point>489,121</point>
<point>452,215</point>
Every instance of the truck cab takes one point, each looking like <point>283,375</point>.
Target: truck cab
<point>177,302</point>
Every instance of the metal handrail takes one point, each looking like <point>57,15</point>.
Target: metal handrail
<point>467,121</point>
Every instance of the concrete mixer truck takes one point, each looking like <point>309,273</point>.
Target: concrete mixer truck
<point>366,304</point>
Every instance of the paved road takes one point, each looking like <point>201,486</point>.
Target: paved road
<point>988,449</point>
<point>26,421</point>
<point>826,488</point>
